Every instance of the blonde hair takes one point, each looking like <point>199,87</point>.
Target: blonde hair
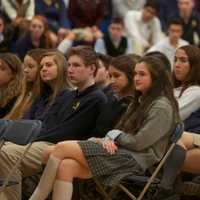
<point>61,80</point>
<point>30,90</point>
<point>14,87</point>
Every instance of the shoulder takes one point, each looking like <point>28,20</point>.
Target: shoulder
<point>161,103</point>
<point>95,95</point>
<point>183,42</point>
<point>98,95</point>
<point>193,90</point>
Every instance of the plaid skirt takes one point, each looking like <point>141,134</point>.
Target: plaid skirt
<point>109,169</point>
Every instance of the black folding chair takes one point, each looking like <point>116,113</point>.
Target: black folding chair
<point>21,132</point>
<point>144,180</point>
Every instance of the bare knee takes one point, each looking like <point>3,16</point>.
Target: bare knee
<point>63,149</point>
<point>186,141</point>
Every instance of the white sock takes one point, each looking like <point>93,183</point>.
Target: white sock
<point>47,179</point>
<point>62,190</point>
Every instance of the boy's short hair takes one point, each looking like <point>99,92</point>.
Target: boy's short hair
<point>153,4</point>
<point>175,21</point>
<point>117,20</point>
<point>86,53</point>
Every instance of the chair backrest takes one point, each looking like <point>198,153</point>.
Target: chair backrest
<point>3,124</point>
<point>179,129</point>
<point>22,132</point>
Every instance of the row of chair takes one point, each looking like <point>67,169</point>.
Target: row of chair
<point>24,132</point>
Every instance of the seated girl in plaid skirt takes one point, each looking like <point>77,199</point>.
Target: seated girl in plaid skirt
<point>138,141</point>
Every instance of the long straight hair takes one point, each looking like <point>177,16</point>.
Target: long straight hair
<point>161,85</point>
<point>61,80</point>
<point>30,90</point>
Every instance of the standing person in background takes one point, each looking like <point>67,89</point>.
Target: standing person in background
<point>114,42</point>
<point>10,82</point>
<point>144,27</point>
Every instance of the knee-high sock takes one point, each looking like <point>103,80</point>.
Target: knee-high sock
<point>47,179</point>
<point>172,167</point>
<point>62,190</point>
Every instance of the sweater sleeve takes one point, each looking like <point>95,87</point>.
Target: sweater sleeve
<point>157,125</point>
<point>100,46</point>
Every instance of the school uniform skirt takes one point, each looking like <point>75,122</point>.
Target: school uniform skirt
<point>109,169</point>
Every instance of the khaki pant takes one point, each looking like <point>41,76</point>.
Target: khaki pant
<point>31,164</point>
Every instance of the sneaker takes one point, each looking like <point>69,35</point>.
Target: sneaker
<point>164,194</point>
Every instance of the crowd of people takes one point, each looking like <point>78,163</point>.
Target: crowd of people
<point>109,80</point>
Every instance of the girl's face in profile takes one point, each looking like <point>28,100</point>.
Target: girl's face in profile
<point>30,69</point>
<point>119,81</point>
<point>142,77</point>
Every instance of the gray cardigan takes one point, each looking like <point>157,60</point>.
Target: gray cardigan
<point>149,144</point>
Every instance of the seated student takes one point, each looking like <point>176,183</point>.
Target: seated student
<point>121,82</point>
<point>173,41</point>
<point>187,13</point>
<point>132,147</point>
<point>30,84</point>
<point>55,13</point>
<point>65,114</point>
<point>184,157</point>
<point>114,43</point>
<point>10,81</point>
<point>37,36</point>
<point>186,76</point>
<point>102,77</point>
